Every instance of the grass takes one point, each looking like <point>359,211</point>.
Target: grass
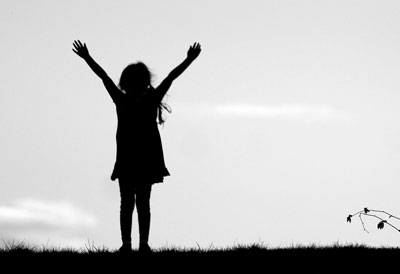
<point>310,257</point>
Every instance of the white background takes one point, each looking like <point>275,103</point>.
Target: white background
<point>285,124</point>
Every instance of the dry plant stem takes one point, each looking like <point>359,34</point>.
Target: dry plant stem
<point>366,211</point>
<point>362,222</point>
<point>381,211</point>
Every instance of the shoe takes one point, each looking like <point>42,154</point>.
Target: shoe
<point>145,249</point>
<point>125,249</point>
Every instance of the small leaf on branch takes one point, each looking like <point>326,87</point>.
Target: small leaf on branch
<point>381,224</point>
<point>349,218</point>
<point>366,210</point>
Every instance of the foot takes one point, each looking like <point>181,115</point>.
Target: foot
<point>145,249</point>
<point>125,249</point>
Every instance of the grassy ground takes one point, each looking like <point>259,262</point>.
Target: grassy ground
<point>312,258</point>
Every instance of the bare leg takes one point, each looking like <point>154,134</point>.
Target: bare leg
<point>143,192</point>
<point>127,192</point>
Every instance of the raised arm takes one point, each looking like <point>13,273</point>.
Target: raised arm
<point>82,51</point>
<point>192,54</point>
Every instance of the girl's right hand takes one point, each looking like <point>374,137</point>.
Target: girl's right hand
<point>80,49</point>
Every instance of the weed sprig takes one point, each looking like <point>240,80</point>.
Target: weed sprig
<point>373,213</point>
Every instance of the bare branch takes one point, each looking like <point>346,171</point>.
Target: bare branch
<point>366,212</point>
<point>362,222</point>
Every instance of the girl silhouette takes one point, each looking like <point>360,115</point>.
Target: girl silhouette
<point>139,161</point>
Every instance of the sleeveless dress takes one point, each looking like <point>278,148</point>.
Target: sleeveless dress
<point>140,155</point>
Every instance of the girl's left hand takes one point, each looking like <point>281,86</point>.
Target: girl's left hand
<point>194,51</point>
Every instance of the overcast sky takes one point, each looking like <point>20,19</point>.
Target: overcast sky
<point>285,124</point>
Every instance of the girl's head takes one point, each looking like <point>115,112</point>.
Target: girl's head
<point>135,79</point>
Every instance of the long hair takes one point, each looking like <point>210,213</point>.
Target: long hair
<point>137,77</point>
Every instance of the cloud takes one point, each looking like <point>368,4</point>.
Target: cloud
<point>294,111</point>
<point>43,222</point>
<point>33,214</point>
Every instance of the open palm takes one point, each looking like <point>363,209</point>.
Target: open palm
<point>194,51</point>
<point>80,49</point>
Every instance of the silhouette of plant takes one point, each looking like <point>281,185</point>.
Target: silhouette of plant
<point>368,212</point>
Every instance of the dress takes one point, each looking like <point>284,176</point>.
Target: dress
<point>139,149</point>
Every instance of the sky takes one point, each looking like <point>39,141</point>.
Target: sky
<point>285,124</point>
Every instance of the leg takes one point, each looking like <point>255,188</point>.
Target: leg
<point>143,192</point>
<point>127,192</point>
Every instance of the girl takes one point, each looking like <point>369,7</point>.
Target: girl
<point>140,161</point>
